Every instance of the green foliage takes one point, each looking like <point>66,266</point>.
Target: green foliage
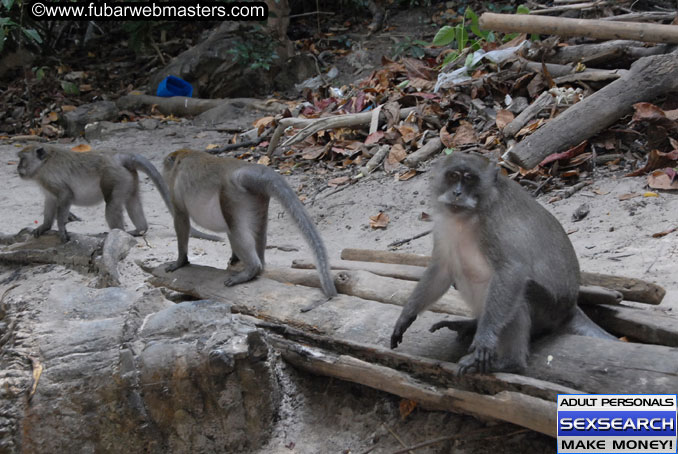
<point>410,46</point>
<point>256,50</point>
<point>70,88</point>
<point>460,34</point>
<point>12,29</point>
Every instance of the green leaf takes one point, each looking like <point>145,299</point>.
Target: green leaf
<point>7,4</point>
<point>444,36</point>
<point>70,88</point>
<point>40,73</point>
<point>33,35</point>
<point>448,151</point>
<point>522,9</point>
<point>469,61</point>
<point>6,22</point>
<point>403,84</point>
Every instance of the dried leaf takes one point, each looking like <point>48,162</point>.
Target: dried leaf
<point>82,148</point>
<point>408,131</point>
<point>396,154</point>
<point>424,216</point>
<point>569,154</point>
<point>645,111</point>
<point>446,138</point>
<point>212,146</point>
<point>530,128</point>
<point>407,175</point>
<point>406,407</point>
<point>629,196</point>
<point>600,192</point>
<point>264,160</point>
<point>464,135</point>
<point>380,221</point>
<point>504,117</point>
<point>334,182</point>
<point>650,194</point>
<point>262,123</point>
<point>656,160</point>
<point>661,179</point>
<point>374,137</point>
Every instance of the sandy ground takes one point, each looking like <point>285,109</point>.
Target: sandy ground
<point>614,238</point>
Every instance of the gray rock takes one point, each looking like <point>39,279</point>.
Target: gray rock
<point>74,122</point>
<point>100,130</point>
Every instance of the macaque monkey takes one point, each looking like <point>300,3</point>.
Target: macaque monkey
<point>510,260</point>
<point>70,178</point>
<point>226,194</point>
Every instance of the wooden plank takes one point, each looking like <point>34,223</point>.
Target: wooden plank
<point>587,364</point>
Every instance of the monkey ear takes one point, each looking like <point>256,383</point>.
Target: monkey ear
<point>41,153</point>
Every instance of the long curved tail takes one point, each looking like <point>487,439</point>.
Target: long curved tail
<point>142,164</point>
<point>262,180</point>
<point>582,325</point>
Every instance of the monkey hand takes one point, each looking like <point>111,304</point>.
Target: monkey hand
<point>480,358</point>
<point>404,322</point>
<point>465,329</point>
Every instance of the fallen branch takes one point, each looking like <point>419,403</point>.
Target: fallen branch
<point>311,126</point>
<point>366,285</point>
<point>429,149</point>
<point>606,52</point>
<point>542,102</point>
<point>521,409</point>
<point>399,243</point>
<point>631,289</point>
<point>647,79</point>
<point>591,28</point>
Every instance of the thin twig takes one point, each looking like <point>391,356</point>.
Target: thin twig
<point>457,436</point>
<point>407,240</point>
<point>395,435</point>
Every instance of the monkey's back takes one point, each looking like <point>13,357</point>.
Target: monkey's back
<point>532,238</point>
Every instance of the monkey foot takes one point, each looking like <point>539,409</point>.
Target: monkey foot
<point>465,329</point>
<point>175,266</point>
<point>235,278</point>
<point>137,232</point>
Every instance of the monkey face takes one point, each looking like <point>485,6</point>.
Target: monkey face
<point>30,160</point>
<point>463,181</point>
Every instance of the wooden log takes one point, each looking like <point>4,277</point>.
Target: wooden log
<point>588,365</point>
<point>647,79</point>
<point>591,28</point>
<point>631,289</point>
<point>622,322</point>
<point>592,294</point>
<point>406,272</point>
<point>542,102</point>
<point>428,150</point>
<point>373,255</point>
<point>606,52</point>
<point>520,409</point>
<point>366,285</point>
